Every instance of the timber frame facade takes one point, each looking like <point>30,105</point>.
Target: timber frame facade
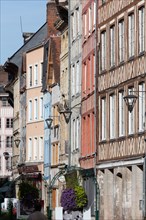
<point>122,70</point>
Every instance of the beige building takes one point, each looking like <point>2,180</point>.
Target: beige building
<point>34,109</point>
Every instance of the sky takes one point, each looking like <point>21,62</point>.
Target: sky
<point>17,16</point>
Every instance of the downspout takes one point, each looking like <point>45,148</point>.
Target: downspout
<point>69,85</point>
<point>96,117</point>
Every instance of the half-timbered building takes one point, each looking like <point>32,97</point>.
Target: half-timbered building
<point>122,71</point>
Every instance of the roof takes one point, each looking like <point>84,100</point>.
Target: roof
<point>38,38</point>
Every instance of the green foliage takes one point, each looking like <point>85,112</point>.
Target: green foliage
<point>28,191</point>
<point>71,179</point>
<point>81,197</point>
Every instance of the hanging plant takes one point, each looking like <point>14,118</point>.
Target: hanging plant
<point>81,197</point>
<point>74,199</point>
<point>68,199</point>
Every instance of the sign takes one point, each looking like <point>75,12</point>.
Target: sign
<point>28,169</point>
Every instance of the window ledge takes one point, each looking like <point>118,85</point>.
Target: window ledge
<point>121,63</point>
<point>141,54</point>
<point>131,58</point>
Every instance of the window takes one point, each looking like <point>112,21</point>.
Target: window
<point>103,50</point>
<point>94,15</point>
<point>103,116</point>
<point>74,134</point>
<point>41,145</point>
<point>30,149</point>
<point>78,133</point>
<point>9,123</point>
<point>141,113</point>
<point>36,75</point>
<point>85,79</point>
<point>73,80</point>
<point>78,18</point>
<point>77,78</point>
<point>41,73</point>
<point>121,40</point>
<point>141,29</point>
<point>85,24</point>
<point>35,146</point>
<point>112,116</point>
<point>30,110</point>
<point>90,19</point>
<point>131,116</point>
<point>9,141</point>
<point>36,109</point>
<point>112,46</point>
<point>30,76</point>
<point>121,113</point>
<point>0,141</point>
<point>131,35</point>
<point>73,26</point>
<point>41,107</point>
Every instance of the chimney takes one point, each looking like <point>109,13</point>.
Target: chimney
<point>27,36</point>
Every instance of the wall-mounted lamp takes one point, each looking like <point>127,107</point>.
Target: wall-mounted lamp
<point>17,142</point>
<point>67,115</point>
<point>6,155</point>
<point>49,122</point>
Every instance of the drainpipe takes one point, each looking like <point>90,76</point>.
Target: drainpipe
<point>96,68</point>
<point>69,85</point>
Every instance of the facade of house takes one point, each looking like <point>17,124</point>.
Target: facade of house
<point>6,128</point>
<point>88,110</point>
<point>122,71</point>
<point>75,49</point>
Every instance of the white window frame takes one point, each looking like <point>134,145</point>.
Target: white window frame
<point>90,18</point>
<point>74,134</point>
<point>94,15</point>
<point>41,107</point>
<point>41,147</point>
<point>30,110</point>
<point>77,77</point>
<point>30,76</point>
<point>112,45</point>
<point>73,80</point>
<point>103,50</point>
<point>85,77</point>
<point>35,148</point>
<point>141,105</point>
<point>112,116</point>
<point>121,40</point>
<point>131,34</point>
<point>131,116</point>
<point>36,109</point>
<point>36,74</point>
<point>121,114</point>
<point>103,118</point>
<point>141,23</point>
<point>41,73</point>
<point>85,24</point>
<point>78,132</point>
<point>78,18</point>
<point>30,145</point>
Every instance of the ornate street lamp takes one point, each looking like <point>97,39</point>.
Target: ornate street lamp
<point>67,114</point>
<point>49,122</point>
<point>130,101</point>
<point>6,155</point>
<point>17,142</point>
